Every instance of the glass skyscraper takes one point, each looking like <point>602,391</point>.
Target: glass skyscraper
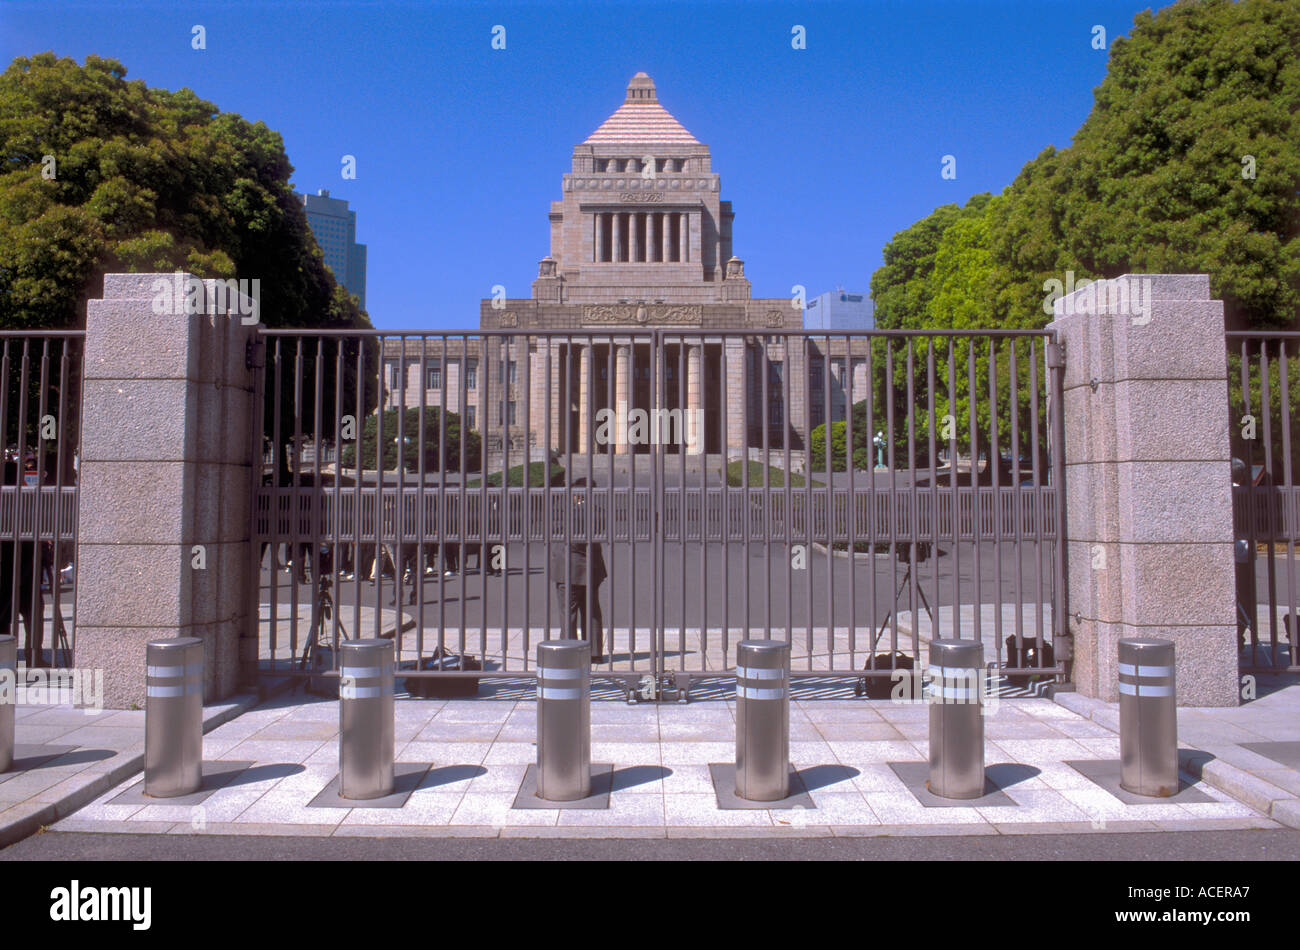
<point>335,228</point>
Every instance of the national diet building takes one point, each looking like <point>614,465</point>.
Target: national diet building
<point>639,240</point>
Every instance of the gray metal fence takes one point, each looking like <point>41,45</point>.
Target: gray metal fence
<point>1263,381</point>
<point>40,411</point>
<point>709,495</point>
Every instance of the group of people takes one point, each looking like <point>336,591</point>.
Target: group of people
<point>576,574</point>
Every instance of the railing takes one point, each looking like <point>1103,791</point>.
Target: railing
<point>697,527</point>
<point>1263,383</point>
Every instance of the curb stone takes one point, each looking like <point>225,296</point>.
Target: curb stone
<point>27,818</point>
<point>1251,790</point>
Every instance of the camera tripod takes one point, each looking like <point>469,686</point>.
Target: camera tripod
<point>911,555</point>
<point>322,613</point>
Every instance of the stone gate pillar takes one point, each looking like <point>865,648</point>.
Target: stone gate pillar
<point>1148,480</point>
<point>163,542</point>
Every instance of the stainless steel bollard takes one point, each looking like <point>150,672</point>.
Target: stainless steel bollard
<point>763,720</point>
<point>9,685</point>
<point>956,719</point>
<point>1148,717</point>
<point>563,720</point>
<point>367,719</point>
<point>173,717</point>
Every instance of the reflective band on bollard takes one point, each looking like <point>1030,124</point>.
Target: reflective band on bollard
<point>367,721</point>
<point>563,720</point>
<point>763,720</point>
<point>956,719</point>
<point>173,717</point>
<point>8,699</point>
<point>1148,717</point>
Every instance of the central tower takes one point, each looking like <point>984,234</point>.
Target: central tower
<point>641,220</point>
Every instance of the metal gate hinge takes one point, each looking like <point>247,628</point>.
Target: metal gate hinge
<point>1055,355</point>
<point>254,354</point>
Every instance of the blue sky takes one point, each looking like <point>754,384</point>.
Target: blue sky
<point>824,152</point>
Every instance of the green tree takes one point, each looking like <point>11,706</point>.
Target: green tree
<point>411,461</point>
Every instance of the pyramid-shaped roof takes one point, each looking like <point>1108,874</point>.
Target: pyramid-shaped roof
<point>641,119</point>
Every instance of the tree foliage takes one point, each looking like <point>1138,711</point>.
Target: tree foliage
<point>144,180</point>
<point>451,430</point>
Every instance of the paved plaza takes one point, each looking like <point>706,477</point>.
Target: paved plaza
<point>473,753</point>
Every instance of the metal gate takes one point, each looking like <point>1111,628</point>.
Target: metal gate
<point>707,492</point>
<point>1264,373</point>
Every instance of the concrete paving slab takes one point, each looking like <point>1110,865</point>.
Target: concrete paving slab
<point>601,787</point>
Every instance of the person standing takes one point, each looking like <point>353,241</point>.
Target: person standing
<point>577,575</point>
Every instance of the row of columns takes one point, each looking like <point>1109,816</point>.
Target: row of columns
<point>693,421</point>
<point>645,237</point>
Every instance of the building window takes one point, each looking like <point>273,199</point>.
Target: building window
<point>501,372</point>
<point>818,413</point>
<point>434,376</point>
<point>776,415</point>
<point>469,417</point>
<point>395,376</point>
<point>471,374</point>
<point>774,374</point>
<point>510,411</point>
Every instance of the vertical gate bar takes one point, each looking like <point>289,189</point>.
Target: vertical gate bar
<point>566,613</point>
<point>995,466</point>
<point>873,499</point>
<point>38,546</point>
<point>589,524</point>
<point>358,499</point>
<point>704,501</point>
<point>548,495</point>
<point>419,561</point>
<point>501,500</point>
<point>809,520</point>
<point>766,423</point>
<point>953,458</point>
<point>1249,451</point>
<point>317,495</point>
<point>932,495</point>
<point>658,362</point>
<point>56,574</point>
<point>491,342</point>
<point>633,534</point>
<point>1288,498</point>
<point>893,499</point>
<point>277,459</point>
<point>462,517</point>
<point>828,495</point>
<point>1040,523</point>
<point>337,515</point>
<point>1013,407</point>
<point>526,497</point>
<point>15,600</point>
<point>850,441</point>
<point>725,446</point>
<point>462,387</point>
<point>912,533</point>
<point>4,422</point>
<point>977,606</point>
<point>1061,600</point>
<point>295,525</point>
<point>746,389</point>
<point>787,515</point>
<point>256,475</point>
<point>1266,412</point>
<point>399,519</point>
<point>378,569</point>
<point>683,401</point>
